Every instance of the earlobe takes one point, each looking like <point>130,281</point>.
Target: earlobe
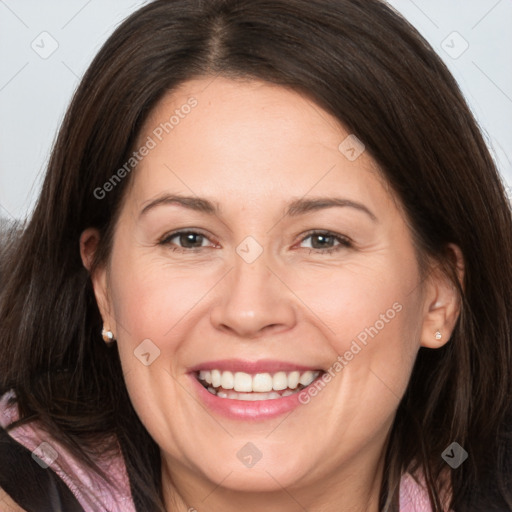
<point>442,304</point>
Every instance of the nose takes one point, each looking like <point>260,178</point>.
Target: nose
<point>253,301</point>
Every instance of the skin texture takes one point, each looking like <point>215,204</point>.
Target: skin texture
<point>7,504</point>
<point>251,148</point>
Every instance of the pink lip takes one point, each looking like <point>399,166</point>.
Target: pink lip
<point>245,409</point>
<point>252,367</point>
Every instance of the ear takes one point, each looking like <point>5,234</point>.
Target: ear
<point>89,241</point>
<point>442,303</point>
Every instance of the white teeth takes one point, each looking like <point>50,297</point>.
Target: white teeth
<point>279,381</point>
<point>258,384</point>
<point>216,378</point>
<point>227,380</point>
<point>251,397</point>
<point>307,378</point>
<point>243,382</point>
<point>262,382</point>
<point>293,379</point>
<point>205,375</point>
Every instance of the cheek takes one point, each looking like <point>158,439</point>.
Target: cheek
<point>359,301</point>
<point>371,318</point>
<point>152,303</point>
<point>150,297</point>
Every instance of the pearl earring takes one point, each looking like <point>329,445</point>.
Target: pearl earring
<point>438,335</point>
<point>108,336</point>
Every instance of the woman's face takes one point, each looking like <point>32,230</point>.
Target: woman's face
<point>293,262</point>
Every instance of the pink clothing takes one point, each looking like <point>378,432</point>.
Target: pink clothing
<point>91,491</point>
<point>95,495</point>
<point>413,497</point>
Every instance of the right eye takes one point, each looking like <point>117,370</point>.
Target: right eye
<point>190,241</point>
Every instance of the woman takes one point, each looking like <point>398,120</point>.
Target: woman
<point>270,269</point>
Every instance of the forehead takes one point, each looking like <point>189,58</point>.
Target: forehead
<point>249,141</point>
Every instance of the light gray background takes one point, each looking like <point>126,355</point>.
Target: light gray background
<point>36,86</point>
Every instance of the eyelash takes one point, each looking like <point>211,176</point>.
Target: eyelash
<point>344,241</point>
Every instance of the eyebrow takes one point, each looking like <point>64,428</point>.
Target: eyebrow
<point>294,209</point>
<point>302,206</point>
<point>193,203</point>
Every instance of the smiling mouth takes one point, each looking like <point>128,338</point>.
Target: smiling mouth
<point>253,387</point>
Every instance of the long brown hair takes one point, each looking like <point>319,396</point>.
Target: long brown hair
<point>367,66</point>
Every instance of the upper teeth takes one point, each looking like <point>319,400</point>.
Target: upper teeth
<point>260,382</point>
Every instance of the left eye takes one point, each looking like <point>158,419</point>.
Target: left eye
<point>323,240</point>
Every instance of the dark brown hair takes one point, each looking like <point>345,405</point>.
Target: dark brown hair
<point>367,66</point>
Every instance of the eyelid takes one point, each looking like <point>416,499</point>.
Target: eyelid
<point>344,241</point>
<point>325,232</point>
<point>165,239</point>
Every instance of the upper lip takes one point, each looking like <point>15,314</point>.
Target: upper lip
<point>252,367</point>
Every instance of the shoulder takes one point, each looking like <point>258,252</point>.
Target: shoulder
<point>8,504</point>
<point>414,494</point>
<point>40,461</point>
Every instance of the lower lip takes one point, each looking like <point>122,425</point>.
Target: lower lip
<point>246,409</point>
